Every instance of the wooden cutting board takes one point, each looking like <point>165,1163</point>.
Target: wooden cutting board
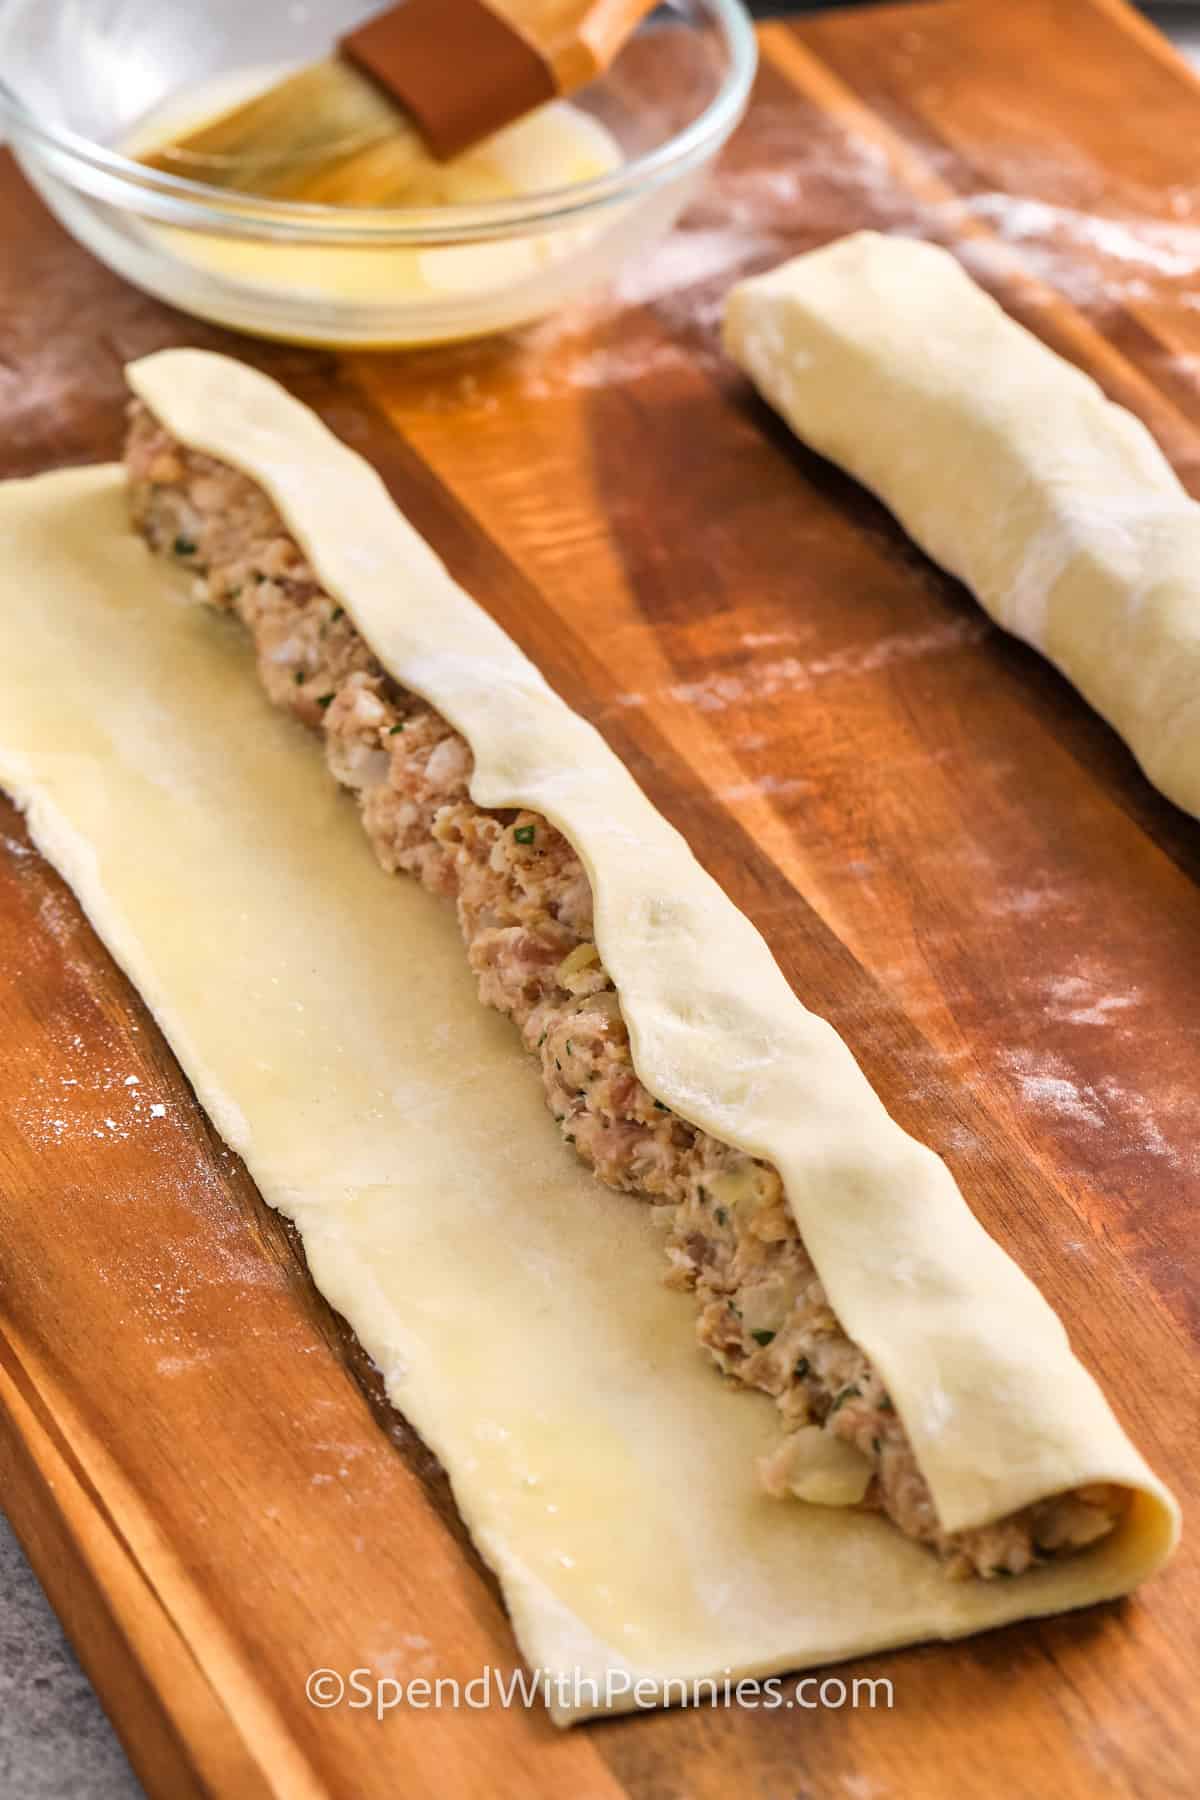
<point>953,859</point>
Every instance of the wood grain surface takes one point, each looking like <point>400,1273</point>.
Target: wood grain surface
<point>953,859</point>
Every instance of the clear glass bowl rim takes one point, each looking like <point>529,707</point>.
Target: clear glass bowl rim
<point>197,205</point>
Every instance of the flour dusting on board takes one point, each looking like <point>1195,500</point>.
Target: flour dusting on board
<point>62,1110</point>
<point>1055,1093</point>
<point>798,675</point>
<point>687,258</point>
<point>1049,1085</point>
<point>1076,1000</point>
<point>778,785</point>
<point>1147,244</point>
<point>1027,902</point>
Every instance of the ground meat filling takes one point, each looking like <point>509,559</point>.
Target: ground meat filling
<point>525,909</point>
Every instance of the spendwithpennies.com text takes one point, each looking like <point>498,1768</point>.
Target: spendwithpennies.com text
<point>366,1690</point>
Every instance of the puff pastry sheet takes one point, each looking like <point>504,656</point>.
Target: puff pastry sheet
<point>326,1017</point>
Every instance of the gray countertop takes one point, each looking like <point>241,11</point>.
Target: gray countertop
<point>55,1741</point>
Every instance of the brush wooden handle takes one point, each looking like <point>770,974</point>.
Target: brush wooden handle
<point>577,39</point>
<point>465,68</point>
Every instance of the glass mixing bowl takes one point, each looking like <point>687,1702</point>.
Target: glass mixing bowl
<point>80,76</point>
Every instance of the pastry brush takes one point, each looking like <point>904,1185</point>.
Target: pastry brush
<point>426,75</point>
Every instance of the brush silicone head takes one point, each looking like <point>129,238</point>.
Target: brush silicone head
<point>458,69</point>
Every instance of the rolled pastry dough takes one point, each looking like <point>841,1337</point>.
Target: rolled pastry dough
<point>512,1303</point>
<point>1005,463</point>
